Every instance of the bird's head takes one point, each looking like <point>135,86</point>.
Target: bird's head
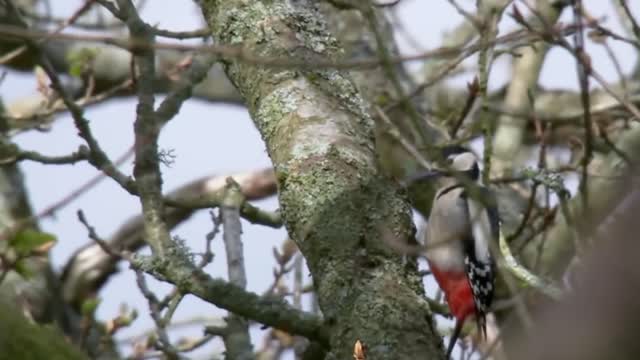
<point>458,161</point>
<point>461,161</point>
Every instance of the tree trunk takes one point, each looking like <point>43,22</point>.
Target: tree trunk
<point>335,202</point>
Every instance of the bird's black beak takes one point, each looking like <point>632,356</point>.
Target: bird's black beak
<point>430,174</point>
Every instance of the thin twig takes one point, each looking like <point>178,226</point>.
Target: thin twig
<point>472,88</point>
<point>632,20</point>
<point>387,65</point>
<point>93,235</point>
<point>492,13</point>
<point>583,67</point>
<point>66,200</point>
<point>239,53</point>
<point>72,19</point>
<point>98,157</point>
<point>164,342</point>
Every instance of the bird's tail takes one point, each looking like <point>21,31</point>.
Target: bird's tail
<point>481,322</point>
<point>454,337</point>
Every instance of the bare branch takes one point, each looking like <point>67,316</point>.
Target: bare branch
<point>90,266</point>
<point>236,338</point>
<point>237,53</point>
<point>267,310</point>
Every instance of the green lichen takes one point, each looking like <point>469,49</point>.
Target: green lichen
<point>81,59</point>
<point>313,196</point>
<point>282,102</point>
<point>22,339</point>
<point>235,24</point>
<point>344,89</point>
<point>312,31</point>
<point>320,138</point>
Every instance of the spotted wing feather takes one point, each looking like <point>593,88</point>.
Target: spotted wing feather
<point>479,263</point>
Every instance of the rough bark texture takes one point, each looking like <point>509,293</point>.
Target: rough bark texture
<point>20,339</point>
<point>335,203</point>
<point>354,32</point>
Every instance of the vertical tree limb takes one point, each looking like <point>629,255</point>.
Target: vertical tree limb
<point>524,80</point>
<point>147,129</point>
<point>236,336</point>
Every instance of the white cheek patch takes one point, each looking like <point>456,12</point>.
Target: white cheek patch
<point>481,230</point>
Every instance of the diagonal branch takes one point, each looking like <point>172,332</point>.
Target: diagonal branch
<point>270,311</point>
<point>90,266</point>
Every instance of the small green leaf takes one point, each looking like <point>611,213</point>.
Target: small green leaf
<point>81,59</point>
<point>89,307</point>
<point>22,268</point>
<point>75,69</point>
<point>28,241</point>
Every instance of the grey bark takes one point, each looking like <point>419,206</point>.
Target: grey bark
<point>236,337</point>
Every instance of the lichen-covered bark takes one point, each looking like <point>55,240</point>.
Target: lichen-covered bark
<point>20,339</point>
<point>354,33</point>
<point>335,202</point>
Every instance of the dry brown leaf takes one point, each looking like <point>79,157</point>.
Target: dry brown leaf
<point>44,248</point>
<point>289,249</point>
<point>174,73</point>
<point>283,337</point>
<point>110,326</point>
<point>359,351</point>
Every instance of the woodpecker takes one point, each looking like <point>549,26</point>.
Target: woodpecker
<point>461,227</point>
